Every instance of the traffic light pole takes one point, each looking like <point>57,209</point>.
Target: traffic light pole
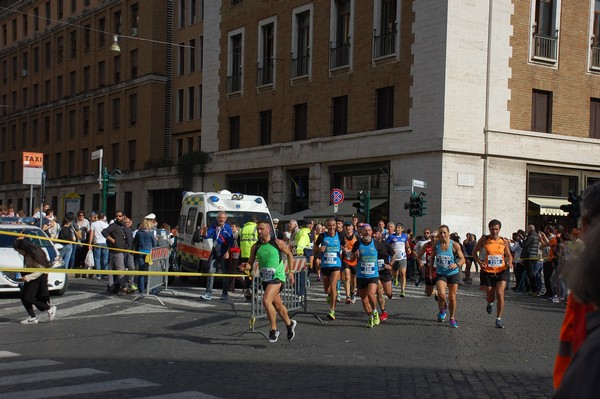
<point>104,188</point>
<point>414,219</point>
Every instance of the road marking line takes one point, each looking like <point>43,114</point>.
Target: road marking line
<point>182,395</point>
<point>70,390</point>
<point>27,364</point>
<point>48,376</point>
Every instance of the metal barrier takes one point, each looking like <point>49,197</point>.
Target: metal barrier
<point>294,297</point>
<point>157,283</point>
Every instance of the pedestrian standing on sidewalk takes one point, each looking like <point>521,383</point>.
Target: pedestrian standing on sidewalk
<point>494,267</point>
<point>144,241</point>
<point>448,259</point>
<point>267,251</point>
<point>35,285</point>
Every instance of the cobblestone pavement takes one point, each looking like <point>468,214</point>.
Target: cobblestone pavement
<point>194,349</point>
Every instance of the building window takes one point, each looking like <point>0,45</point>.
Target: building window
<point>339,55</point>
<point>85,119</point>
<point>193,12</point>
<point>73,83</point>
<point>58,119</point>
<point>340,115</point>
<point>116,113</point>
<point>59,87</point>
<point>59,9</point>
<point>118,22</point>
<point>135,17</point>
<point>117,61</point>
<point>595,118</point>
<point>35,132</point>
<point>101,74</point>
<point>47,12</point>
<point>182,13</point>
<point>59,49</point>
<point>101,30</point>
<point>115,156</point>
<point>46,129</point>
<point>131,155</point>
<point>595,53</point>
<point>545,30</point>
<point>235,62</point>
<point>86,78</point>
<point>133,109</point>
<point>24,135</point>
<point>386,30</point>
<point>72,123</point>
<point>541,111</point>
<point>87,38</point>
<point>265,127</point>
<point>73,43</point>
<point>73,6</point>
<point>36,59</point>
<point>385,107</point>
<point>71,163</point>
<point>85,161</point>
<point>301,121</point>
<point>58,165</point>
<point>301,39</point>
<point>36,19</point>
<point>191,103</point>
<point>25,24</point>
<point>181,66</point>
<point>48,54</point>
<point>199,101</point>
<point>134,64</point>
<point>4,72</point>
<point>180,104</point>
<point>100,117</point>
<point>234,132</point>
<point>201,53</point>
<point>266,51</point>
<point>192,46</point>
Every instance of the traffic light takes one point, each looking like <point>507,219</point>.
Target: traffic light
<point>111,183</point>
<point>363,204</point>
<point>572,208</point>
<point>416,205</point>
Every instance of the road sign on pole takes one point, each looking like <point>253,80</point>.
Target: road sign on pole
<point>337,196</point>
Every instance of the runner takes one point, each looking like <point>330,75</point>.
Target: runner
<point>367,273</point>
<point>385,259</point>
<point>349,263</point>
<point>267,251</point>
<point>448,259</point>
<point>423,257</point>
<point>399,241</point>
<point>330,245</point>
<point>493,268</point>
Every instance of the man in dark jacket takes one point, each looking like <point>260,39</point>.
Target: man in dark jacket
<point>116,238</point>
<point>529,254</point>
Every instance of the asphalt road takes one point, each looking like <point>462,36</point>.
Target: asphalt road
<point>107,346</point>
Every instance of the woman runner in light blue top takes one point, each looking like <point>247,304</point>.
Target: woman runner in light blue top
<point>448,259</point>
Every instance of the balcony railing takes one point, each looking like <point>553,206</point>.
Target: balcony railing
<point>300,65</point>
<point>545,48</point>
<point>595,57</point>
<point>384,44</point>
<point>265,74</point>
<point>234,83</point>
<point>339,56</point>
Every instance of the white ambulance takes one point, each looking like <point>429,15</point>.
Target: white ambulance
<point>201,209</point>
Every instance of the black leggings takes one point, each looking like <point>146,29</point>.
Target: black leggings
<point>35,293</point>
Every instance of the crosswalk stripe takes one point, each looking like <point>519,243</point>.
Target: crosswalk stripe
<point>182,395</point>
<point>4,354</point>
<point>28,364</point>
<point>80,389</point>
<point>48,376</point>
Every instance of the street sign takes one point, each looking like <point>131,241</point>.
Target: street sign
<point>337,196</point>
<point>419,183</point>
<point>33,166</point>
<point>335,208</point>
<point>97,154</point>
<point>402,189</point>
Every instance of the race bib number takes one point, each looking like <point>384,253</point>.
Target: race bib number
<point>381,264</point>
<point>368,268</point>
<point>330,258</point>
<point>494,260</point>
<point>267,274</point>
<point>443,261</point>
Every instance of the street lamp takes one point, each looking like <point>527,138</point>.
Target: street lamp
<point>115,46</point>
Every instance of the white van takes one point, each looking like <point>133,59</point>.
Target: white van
<point>201,209</point>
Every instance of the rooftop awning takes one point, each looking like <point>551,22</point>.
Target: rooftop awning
<point>550,206</point>
<point>345,209</point>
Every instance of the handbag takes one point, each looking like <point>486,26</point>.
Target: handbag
<point>89,259</point>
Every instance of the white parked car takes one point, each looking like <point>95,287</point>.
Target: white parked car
<point>57,282</point>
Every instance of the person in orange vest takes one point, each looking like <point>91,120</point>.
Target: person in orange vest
<point>573,330</point>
